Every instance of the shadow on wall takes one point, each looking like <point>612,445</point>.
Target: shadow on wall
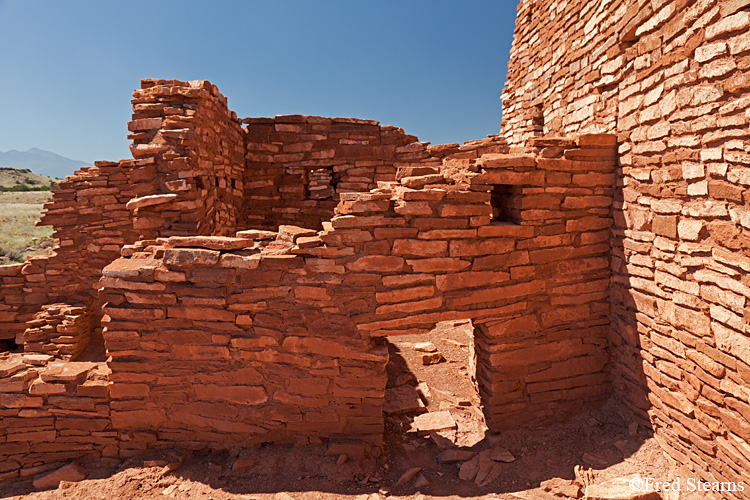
<point>480,462</point>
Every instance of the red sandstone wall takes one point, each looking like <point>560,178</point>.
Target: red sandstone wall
<point>91,224</point>
<point>193,148</point>
<point>565,66</point>
<point>215,345</point>
<point>186,179</point>
<point>224,341</point>
<point>190,176</point>
<point>13,314</point>
<point>51,413</point>
<point>221,342</point>
<point>671,78</point>
<point>298,166</point>
<point>291,160</point>
<point>681,289</point>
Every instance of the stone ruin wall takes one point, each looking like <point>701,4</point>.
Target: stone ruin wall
<point>189,314</point>
<point>287,327</point>
<point>670,78</point>
<point>297,166</point>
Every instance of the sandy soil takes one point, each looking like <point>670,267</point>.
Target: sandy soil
<point>281,472</point>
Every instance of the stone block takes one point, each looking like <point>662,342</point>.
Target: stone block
<point>67,372</point>
<point>181,257</point>
<point>70,473</point>
<point>223,243</point>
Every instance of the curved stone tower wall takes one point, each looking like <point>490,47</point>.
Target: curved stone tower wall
<point>670,78</point>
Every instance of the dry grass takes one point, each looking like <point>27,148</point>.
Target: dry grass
<point>11,176</point>
<point>19,237</point>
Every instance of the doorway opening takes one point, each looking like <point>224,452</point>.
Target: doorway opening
<point>433,413</point>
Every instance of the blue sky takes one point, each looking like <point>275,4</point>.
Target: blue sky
<point>434,67</point>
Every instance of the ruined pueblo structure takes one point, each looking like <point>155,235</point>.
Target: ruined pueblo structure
<point>242,274</point>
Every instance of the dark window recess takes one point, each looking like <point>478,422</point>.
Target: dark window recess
<point>503,199</point>
<point>537,119</point>
<point>321,184</point>
<point>7,345</point>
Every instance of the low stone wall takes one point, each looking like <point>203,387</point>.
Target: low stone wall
<point>91,225</point>
<point>297,166</point>
<point>215,342</point>
<point>13,311</point>
<point>275,336</point>
<point>59,330</point>
<point>52,412</point>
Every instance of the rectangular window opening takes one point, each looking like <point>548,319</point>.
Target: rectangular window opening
<point>321,184</point>
<point>503,199</point>
<point>537,121</point>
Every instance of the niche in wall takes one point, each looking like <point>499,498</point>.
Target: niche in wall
<point>503,199</point>
<point>321,184</point>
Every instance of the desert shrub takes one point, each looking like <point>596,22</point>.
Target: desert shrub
<point>24,187</point>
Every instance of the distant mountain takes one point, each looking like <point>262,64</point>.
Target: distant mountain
<point>41,162</point>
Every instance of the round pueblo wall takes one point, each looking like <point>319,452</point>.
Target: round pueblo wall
<point>670,78</point>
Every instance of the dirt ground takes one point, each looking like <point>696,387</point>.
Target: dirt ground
<point>411,467</point>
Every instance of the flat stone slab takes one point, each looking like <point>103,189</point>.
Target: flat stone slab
<point>500,454</point>
<point>37,359</point>
<point>425,347</point>
<point>488,469</point>
<point>419,181</point>
<point>453,456</point>
<point>209,242</point>
<point>551,141</point>
<point>632,487</point>
<point>257,234</point>
<point>403,400</point>
<point>469,469</point>
<point>67,372</point>
<point>71,473</point>
<point>130,268</point>
<point>494,160</point>
<point>291,233</point>
<point>39,388</point>
<point>9,367</point>
<point>432,422</point>
<point>150,200</point>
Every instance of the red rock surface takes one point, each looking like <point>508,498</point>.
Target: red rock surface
<point>599,246</point>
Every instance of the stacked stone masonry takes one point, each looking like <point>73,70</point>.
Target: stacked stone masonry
<point>672,80</point>
<point>288,325</point>
<point>53,411</point>
<point>243,273</point>
<point>59,330</point>
<point>222,335</point>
